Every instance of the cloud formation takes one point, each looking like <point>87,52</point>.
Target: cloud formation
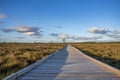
<point>96,30</point>
<point>63,36</point>
<point>55,34</point>
<point>26,30</point>
<point>85,38</point>
<point>59,35</point>
<point>117,31</point>
<point>2,16</point>
<point>115,35</point>
<point>66,36</point>
<point>20,37</point>
<point>8,30</point>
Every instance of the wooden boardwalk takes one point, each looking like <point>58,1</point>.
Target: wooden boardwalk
<point>70,64</point>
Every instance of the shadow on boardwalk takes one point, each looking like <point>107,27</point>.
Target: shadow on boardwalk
<point>49,69</point>
<point>69,64</point>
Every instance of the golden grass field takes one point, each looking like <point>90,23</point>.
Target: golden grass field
<point>15,56</point>
<point>106,52</point>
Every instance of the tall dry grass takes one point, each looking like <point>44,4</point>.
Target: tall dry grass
<point>14,57</point>
<point>106,52</point>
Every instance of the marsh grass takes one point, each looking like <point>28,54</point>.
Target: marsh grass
<point>106,52</point>
<point>15,56</point>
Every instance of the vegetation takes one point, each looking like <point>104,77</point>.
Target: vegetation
<point>15,56</point>
<point>106,52</point>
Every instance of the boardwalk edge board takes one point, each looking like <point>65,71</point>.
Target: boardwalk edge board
<point>106,66</point>
<point>28,68</point>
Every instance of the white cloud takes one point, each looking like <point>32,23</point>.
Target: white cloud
<point>117,31</point>
<point>8,30</point>
<point>114,35</point>
<point>29,33</point>
<point>65,36</point>
<point>85,38</point>
<point>55,34</point>
<point>59,35</point>
<point>96,30</point>
<point>20,37</point>
<point>26,30</point>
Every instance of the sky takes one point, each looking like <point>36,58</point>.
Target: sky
<point>58,20</point>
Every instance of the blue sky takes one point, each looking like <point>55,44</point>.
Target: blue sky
<point>55,20</point>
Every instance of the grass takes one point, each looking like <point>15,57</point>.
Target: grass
<point>106,52</point>
<point>15,56</point>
